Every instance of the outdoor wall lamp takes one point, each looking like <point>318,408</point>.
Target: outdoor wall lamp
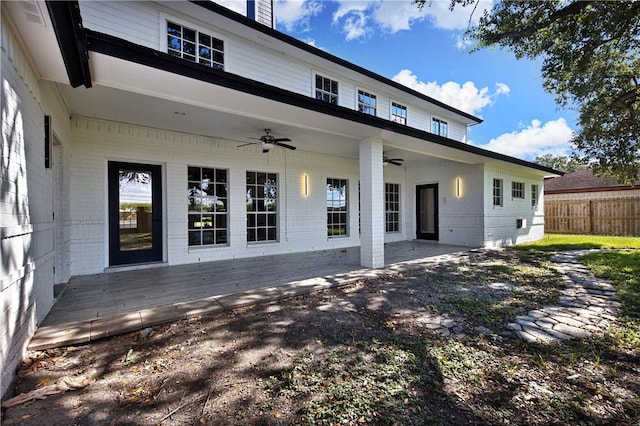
<point>305,184</point>
<point>458,187</point>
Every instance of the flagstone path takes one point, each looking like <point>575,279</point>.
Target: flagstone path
<point>588,305</point>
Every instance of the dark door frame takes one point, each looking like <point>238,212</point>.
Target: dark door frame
<point>434,236</point>
<point>154,254</point>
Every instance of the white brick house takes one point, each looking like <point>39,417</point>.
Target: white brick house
<point>144,159</point>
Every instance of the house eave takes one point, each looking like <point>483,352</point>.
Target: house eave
<point>67,25</point>
<point>125,50</point>
<point>241,19</point>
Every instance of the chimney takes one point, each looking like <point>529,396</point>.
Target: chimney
<point>261,11</point>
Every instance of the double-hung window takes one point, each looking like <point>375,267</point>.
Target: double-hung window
<point>497,193</point>
<point>439,127</point>
<point>262,206</point>
<point>398,113</point>
<point>208,202</point>
<point>534,196</point>
<point>392,207</point>
<point>195,46</point>
<point>326,90</point>
<point>517,190</point>
<point>337,207</point>
<point>367,103</point>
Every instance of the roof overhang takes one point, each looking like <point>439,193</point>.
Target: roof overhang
<point>136,84</point>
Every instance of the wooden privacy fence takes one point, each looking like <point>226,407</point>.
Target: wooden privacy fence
<point>602,217</point>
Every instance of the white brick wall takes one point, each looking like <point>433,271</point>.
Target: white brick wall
<point>460,218</point>
<point>27,228</point>
<point>302,219</point>
<point>500,222</point>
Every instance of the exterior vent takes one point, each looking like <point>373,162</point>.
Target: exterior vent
<point>32,12</point>
<point>521,223</point>
<point>261,11</point>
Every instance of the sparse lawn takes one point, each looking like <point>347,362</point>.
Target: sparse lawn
<point>560,242</point>
<point>363,354</point>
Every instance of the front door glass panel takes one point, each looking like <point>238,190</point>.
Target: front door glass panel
<point>135,210</point>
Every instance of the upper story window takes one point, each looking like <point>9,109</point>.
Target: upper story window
<point>497,192</point>
<point>326,89</point>
<point>439,127</point>
<point>398,113</point>
<point>517,190</point>
<point>195,46</point>
<point>366,103</point>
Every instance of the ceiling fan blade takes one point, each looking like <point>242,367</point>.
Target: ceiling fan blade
<point>245,144</point>
<point>396,162</point>
<point>282,140</point>
<point>284,145</point>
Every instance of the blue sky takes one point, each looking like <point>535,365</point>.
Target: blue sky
<point>425,50</point>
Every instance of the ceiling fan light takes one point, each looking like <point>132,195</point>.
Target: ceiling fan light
<point>266,147</point>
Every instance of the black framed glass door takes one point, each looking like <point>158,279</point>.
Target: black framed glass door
<point>427,212</point>
<point>135,213</point>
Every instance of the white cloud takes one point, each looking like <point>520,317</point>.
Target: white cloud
<point>533,140</point>
<point>466,97</point>
<point>294,14</point>
<point>458,18</point>
<point>359,19</point>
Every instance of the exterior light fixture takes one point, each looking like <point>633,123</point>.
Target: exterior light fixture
<point>458,187</point>
<point>305,185</point>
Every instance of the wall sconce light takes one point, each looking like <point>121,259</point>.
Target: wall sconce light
<point>305,185</point>
<point>458,187</point>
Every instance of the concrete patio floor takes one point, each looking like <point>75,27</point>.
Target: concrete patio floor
<point>120,301</point>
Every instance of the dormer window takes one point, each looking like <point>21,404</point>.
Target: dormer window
<point>195,46</point>
<point>439,127</point>
<point>367,103</point>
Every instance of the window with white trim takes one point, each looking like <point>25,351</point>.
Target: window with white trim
<point>207,208</point>
<point>439,127</point>
<point>195,46</point>
<point>497,193</point>
<point>392,207</point>
<point>535,192</point>
<point>517,190</point>
<point>326,89</point>
<point>398,113</point>
<point>337,208</point>
<point>262,206</point>
<point>367,103</point>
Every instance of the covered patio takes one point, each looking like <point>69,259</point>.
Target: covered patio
<point>120,300</point>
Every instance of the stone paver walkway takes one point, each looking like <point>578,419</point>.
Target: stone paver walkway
<point>588,305</point>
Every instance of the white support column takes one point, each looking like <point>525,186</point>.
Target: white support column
<point>371,204</point>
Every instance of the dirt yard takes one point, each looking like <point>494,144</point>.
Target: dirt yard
<point>431,346</point>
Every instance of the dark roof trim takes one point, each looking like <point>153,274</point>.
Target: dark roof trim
<point>583,190</point>
<point>67,24</point>
<point>123,49</point>
<point>228,13</point>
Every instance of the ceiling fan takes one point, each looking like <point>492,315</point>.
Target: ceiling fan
<point>395,161</point>
<point>268,142</point>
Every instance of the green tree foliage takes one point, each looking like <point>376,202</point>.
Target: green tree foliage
<point>591,62</point>
<point>561,163</point>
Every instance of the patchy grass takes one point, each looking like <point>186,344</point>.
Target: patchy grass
<point>560,242</point>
